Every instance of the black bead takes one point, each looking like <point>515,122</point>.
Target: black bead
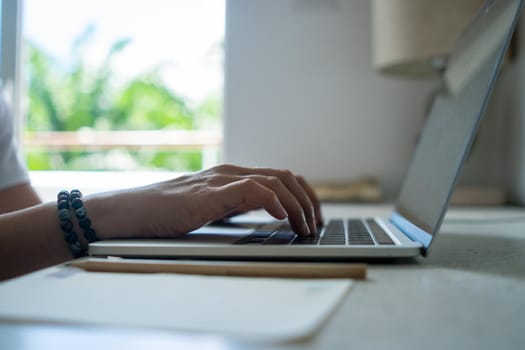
<point>70,237</point>
<point>90,235</point>
<point>75,194</point>
<point>80,212</point>
<point>66,225</point>
<point>63,204</point>
<point>76,249</point>
<point>62,194</point>
<point>76,203</point>
<point>64,214</point>
<point>84,223</point>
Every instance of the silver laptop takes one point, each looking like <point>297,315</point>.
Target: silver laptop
<point>419,210</point>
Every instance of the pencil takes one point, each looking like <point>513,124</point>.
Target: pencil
<point>225,268</point>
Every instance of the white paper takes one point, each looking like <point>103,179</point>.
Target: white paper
<point>254,308</point>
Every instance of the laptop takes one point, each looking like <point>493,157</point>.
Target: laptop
<point>423,200</point>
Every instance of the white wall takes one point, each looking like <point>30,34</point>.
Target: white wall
<point>301,93</point>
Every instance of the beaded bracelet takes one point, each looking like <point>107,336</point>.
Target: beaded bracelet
<point>64,216</point>
<point>65,202</point>
<point>81,213</point>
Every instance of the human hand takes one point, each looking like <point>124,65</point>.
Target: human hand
<point>184,204</point>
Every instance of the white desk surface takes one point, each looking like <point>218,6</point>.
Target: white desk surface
<point>469,294</point>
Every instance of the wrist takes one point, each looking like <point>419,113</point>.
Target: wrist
<point>109,216</point>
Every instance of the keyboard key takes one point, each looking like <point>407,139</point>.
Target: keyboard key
<point>306,240</point>
<point>358,233</point>
<point>334,233</point>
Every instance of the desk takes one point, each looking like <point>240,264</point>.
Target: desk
<point>469,294</point>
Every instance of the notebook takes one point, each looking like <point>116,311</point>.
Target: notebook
<point>421,205</point>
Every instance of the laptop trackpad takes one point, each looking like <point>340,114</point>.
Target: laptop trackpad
<point>215,234</point>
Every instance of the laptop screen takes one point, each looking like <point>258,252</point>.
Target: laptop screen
<point>452,123</point>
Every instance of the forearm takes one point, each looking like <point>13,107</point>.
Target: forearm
<point>31,239</point>
<point>18,197</point>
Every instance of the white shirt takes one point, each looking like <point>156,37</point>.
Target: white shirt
<point>12,169</point>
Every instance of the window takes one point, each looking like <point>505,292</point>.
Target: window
<point>122,85</point>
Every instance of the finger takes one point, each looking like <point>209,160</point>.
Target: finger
<point>290,181</point>
<point>287,199</point>
<point>246,195</point>
<point>313,198</point>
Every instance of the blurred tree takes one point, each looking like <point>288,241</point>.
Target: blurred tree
<point>75,96</point>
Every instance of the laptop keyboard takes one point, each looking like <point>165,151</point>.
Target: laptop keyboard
<point>355,232</point>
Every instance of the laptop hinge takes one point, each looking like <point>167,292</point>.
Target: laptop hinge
<point>412,231</point>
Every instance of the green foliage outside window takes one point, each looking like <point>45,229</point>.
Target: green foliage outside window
<point>79,97</point>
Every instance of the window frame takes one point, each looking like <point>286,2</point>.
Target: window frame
<point>10,61</point>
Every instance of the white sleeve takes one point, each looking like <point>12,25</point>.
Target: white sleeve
<point>12,169</point>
